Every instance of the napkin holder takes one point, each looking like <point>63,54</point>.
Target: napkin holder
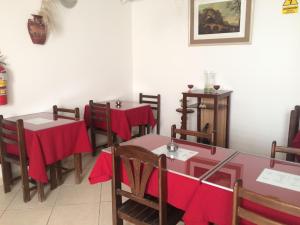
<point>118,103</point>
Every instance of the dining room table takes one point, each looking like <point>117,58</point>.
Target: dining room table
<point>266,176</point>
<point>202,184</point>
<point>50,139</point>
<point>184,170</point>
<point>124,116</point>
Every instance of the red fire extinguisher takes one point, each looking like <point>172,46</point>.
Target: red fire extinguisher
<point>3,90</point>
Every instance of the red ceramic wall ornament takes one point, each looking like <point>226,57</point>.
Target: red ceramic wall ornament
<point>37,29</point>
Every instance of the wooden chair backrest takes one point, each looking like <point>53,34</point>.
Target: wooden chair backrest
<point>139,164</point>
<point>294,124</point>
<point>12,133</point>
<point>100,113</point>
<point>208,136</point>
<point>240,193</point>
<point>287,150</point>
<point>57,112</point>
<point>154,101</point>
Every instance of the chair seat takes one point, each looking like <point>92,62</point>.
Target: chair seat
<point>135,213</point>
<point>12,158</point>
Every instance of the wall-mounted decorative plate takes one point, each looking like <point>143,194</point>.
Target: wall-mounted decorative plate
<point>68,3</point>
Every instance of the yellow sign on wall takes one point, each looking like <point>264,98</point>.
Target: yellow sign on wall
<point>290,6</point>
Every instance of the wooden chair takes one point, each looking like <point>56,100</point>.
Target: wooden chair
<point>100,114</point>
<point>240,193</point>
<point>154,101</point>
<point>71,114</point>
<point>209,137</point>
<point>60,113</point>
<point>282,149</point>
<point>12,133</point>
<point>141,208</point>
<point>293,129</point>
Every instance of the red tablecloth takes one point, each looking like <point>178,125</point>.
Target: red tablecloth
<point>213,204</point>
<point>50,145</point>
<point>201,202</point>
<point>123,119</point>
<point>180,189</point>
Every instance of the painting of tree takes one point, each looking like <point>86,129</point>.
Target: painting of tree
<point>219,17</point>
<point>220,21</point>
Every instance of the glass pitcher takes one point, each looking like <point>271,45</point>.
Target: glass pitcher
<point>209,81</point>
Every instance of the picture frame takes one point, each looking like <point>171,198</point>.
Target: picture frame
<point>220,21</point>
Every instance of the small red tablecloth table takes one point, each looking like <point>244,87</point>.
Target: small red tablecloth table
<point>49,140</point>
<point>214,197</point>
<point>128,115</point>
<point>183,176</point>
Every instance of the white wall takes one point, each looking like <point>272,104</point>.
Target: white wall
<point>263,75</point>
<point>88,57</point>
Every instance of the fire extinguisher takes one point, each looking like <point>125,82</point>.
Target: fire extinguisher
<point>3,90</point>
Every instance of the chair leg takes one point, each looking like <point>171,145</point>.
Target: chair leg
<point>40,190</point>
<point>80,163</point>
<point>114,138</point>
<point>115,219</point>
<point>59,172</point>
<point>53,177</point>
<point>148,128</point>
<point>109,139</point>
<point>140,130</point>
<point>26,189</point>
<point>77,165</point>
<point>93,140</point>
<point>10,175</point>
<point>6,178</point>
<point>25,183</point>
<point>143,130</point>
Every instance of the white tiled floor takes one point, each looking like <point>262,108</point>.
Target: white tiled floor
<point>69,204</point>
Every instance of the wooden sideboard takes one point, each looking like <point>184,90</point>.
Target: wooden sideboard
<point>213,108</point>
<point>293,129</point>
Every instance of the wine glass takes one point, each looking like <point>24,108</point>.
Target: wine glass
<point>190,86</point>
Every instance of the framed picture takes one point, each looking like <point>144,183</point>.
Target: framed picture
<point>220,21</point>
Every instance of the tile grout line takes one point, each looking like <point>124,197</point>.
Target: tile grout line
<point>16,194</point>
<point>1,214</point>
<point>53,205</point>
<point>99,214</point>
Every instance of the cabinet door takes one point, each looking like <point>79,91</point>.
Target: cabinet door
<point>207,116</point>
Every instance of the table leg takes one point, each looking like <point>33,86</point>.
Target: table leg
<point>215,128</point>
<point>78,169</point>
<point>59,172</point>
<point>140,130</point>
<point>148,128</point>
<point>143,130</point>
<point>53,177</point>
<point>227,122</point>
<point>199,118</point>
